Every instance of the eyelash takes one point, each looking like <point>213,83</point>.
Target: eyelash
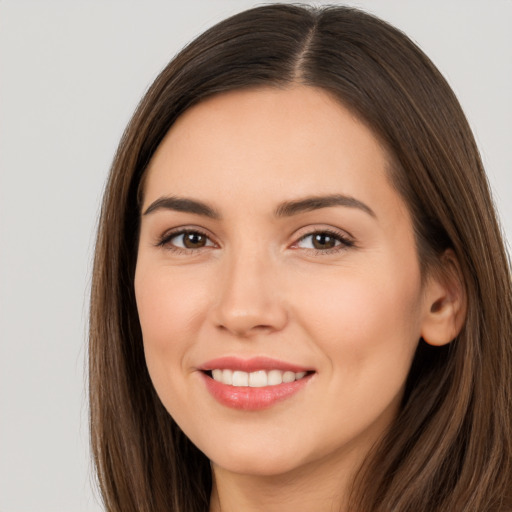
<point>165,241</point>
<point>344,241</point>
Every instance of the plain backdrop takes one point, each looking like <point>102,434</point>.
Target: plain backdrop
<point>71,73</point>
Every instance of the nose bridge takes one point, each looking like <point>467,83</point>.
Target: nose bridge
<point>249,299</point>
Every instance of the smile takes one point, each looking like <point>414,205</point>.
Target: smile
<point>253,384</point>
<point>257,379</point>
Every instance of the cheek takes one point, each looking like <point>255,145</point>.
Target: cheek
<point>368,323</point>
<point>368,328</point>
<point>170,307</point>
<point>168,302</point>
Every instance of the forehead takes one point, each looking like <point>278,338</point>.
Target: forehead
<point>268,143</point>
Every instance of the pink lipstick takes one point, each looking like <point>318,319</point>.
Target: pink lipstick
<point>253,384</point>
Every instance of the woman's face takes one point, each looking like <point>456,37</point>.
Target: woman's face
<point>273,244</point>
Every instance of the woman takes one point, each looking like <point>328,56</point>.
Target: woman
<point>301,298</point>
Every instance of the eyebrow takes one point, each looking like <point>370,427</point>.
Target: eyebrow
<point>307,204</point>
<point>285,209</point>
<point>181,204</point>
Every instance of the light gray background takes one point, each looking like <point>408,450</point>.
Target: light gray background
<point>71,73</point>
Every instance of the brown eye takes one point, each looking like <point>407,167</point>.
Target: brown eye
<point>322,241</point>
<point>193,240</point>
<point>189,240</point>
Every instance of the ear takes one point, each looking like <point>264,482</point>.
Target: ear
<point>445,302</point>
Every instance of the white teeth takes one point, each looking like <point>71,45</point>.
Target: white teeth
<point>227,376</point>
<point>256,379</point>
<point>275,377</point>
<point>240,378</point>
<point>288,377</point>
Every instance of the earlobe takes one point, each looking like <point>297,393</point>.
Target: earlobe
<point>445,302</point>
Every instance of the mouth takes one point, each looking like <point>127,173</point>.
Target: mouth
<point>253,384</point>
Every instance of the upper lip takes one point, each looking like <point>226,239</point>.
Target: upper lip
<point>251,365</point>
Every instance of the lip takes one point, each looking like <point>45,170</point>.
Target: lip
<point>247,398</point>
<point>251,365</point>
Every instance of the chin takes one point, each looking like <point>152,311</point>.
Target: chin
<point>253,459</point>
<point>255,465</point>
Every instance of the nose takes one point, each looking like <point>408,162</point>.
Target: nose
<point>250,300</point>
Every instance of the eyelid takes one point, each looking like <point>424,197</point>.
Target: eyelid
<point>344,237</point>
<point>165,239</point>
<point>322,228</point>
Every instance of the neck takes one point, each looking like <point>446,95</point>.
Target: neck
<point>320,486</point>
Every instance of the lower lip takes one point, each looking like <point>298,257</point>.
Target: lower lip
<point>252,399</point>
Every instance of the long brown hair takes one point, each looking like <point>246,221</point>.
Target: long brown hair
<point>450,448</point>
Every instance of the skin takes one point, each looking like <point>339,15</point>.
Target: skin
<point>258,287</point>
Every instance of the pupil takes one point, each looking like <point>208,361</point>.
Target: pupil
<point>323,241</point>
<point>194,240</point>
